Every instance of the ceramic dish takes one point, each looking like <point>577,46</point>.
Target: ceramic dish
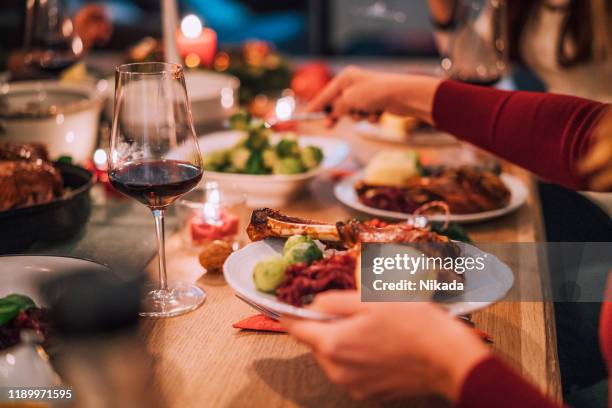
<point>346,194</point>
<point>62,116</point>
<point>21,273</point>
<point>273,190</point>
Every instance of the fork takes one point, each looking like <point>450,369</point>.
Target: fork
<point>270,313</point>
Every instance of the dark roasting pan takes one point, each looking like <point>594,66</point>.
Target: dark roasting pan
<point>56,220</point>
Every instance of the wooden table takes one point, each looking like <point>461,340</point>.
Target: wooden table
<point>202,361</point>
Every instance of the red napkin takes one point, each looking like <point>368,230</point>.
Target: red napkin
<point>259,322</point>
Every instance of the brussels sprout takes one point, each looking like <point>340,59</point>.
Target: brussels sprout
<point>269,273</point>
<point>294,240</point>
<point>257,140</point>
<point>288,165</point>
<point>287,148</point>
<point>240,120</point>
<point>311,156</point>
<point>239,157</point>
<point>255,164</point>
<point>215,160</point>
<point>303,252</point>
<point>269,157</point>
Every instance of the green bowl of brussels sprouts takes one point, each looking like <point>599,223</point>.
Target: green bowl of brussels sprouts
<point>269,168</point>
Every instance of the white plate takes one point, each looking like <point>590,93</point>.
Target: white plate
<point>276,189</point>
<point>21,273</point>
<point>346,194</point>
<point>238,271</point>
<point>418,136</point>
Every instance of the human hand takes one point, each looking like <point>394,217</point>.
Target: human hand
<point>92,25</point>
<point>389,350</point>
<point>366,94</point>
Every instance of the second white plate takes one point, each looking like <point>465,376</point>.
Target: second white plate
<point>346,194</point>
<point>21,273</point>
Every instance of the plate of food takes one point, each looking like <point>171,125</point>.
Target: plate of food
<point>291,260</point>
<point>403,129</point>
<point>269,168</point>
<point>395,185</point>
<point>21,305</point>
<point>41,200</point>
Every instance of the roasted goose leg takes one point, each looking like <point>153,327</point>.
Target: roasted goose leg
<point>266,223</point>
<point>271,223</point>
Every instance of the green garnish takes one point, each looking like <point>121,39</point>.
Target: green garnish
<point>11,305</point>
<point>453,231</point>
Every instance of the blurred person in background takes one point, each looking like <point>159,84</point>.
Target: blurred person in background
<point>566,43</point>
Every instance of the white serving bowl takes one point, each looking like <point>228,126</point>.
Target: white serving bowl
<point>62,116</point>
<point>273,190</point>
<point>213,96</point>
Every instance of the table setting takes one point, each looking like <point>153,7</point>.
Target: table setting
<point>172,213</point>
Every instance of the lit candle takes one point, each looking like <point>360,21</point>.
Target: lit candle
<point>213,224</point>
<point>196,44</point>
<point>283,111</point>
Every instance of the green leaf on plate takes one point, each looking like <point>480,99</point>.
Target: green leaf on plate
<point>453,231</point>
<point>11,305</point>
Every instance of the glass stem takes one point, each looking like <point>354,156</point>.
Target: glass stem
<point>161,247</point>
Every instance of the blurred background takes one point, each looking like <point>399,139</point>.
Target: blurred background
<point>335,27</point>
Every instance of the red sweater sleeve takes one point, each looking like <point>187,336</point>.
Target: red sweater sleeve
<point>492,384</point>
<point>545,133</point>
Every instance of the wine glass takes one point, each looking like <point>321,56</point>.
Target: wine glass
<point>155,159</point>
<point>50,42</point>
<point>477,47</point>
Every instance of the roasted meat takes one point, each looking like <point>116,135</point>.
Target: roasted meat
<point>465,189</point>
<point>24,183</point>
<point>26,177</point>
<point>266,223</point>
<point>338,271</point>
<point>26,151</point>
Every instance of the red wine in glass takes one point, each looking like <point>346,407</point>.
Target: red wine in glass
<point>155,183</point>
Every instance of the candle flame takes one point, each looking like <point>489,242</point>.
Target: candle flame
<point>285,107</point>
<point>191,26</point>
<point>100,158</point>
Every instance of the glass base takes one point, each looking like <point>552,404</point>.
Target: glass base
<point>180,298</point>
